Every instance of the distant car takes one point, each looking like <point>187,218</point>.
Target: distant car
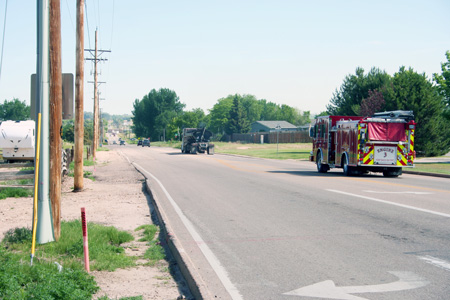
<point>114,143</point>
<point>146,143</point>
<point>139,143</point>
<point>122,143</point>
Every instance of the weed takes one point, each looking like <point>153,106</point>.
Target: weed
<point>102,149</point>
<point>18,182</point>
<point>104,247</point>
<point>149,232</point>
<point>154,253</point>
<point>27,169</point>
<point>88,174</point>
<point>18,236</point>
<point>20,280</point>
<point>15,193</point>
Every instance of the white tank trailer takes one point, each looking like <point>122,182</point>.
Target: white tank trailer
<point>17,139</point>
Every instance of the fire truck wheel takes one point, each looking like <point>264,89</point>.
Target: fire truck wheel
<point>345,167</point>
<point>321,168</point>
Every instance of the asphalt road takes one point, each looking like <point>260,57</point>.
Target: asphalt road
<point>267,229</point>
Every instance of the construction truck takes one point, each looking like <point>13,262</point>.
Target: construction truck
<point>381,143</point>
<point>196,140</point>
<point>17,139</point>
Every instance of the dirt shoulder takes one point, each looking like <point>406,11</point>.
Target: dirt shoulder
<point>115,198</point>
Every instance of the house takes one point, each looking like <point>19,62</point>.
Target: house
<point>268,126</point>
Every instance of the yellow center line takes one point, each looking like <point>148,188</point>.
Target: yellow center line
<point>237,168</point>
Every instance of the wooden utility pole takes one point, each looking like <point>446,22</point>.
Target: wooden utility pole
<point>79,117</point>
<point>95,139</point>
<point>55,115</point>
<point>95,142</point>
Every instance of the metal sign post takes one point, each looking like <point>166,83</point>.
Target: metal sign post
<point>278,128</point>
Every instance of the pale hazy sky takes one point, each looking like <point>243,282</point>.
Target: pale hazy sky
<point>288,52</point>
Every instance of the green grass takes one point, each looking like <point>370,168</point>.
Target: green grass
<point>86,163</point>
<point>27,169</point>
<point>285,151</point>
<point>15,193</point>
<point>149,232</point>
<point>173,144</point>
<point>18,280</point>
<point>155,252</point>
<point>102,149</point>
<point>105,249</point>
<point>282,151</point>
<point>440,168</point>
<point>18,182</point>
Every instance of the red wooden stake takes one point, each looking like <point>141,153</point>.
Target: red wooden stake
<point>85,239</point>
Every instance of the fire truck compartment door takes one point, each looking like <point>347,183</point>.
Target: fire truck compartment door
<point>385,155</point>
<point>391,132</point>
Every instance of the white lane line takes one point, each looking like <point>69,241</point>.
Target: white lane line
<point>406,192</point>
<point>212,259</point>
<point>436,262</point>
<point>391,203</point>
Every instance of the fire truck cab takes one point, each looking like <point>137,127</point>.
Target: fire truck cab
<point>381,143</point>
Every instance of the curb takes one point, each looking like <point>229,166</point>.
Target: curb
<point>180,258</point>
<point>426,174</point>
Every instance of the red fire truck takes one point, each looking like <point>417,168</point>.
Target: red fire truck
<point>381,143</point>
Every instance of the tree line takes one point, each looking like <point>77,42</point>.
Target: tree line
<point>161,115</point>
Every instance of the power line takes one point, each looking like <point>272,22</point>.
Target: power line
<point>112,24</point>
<point>3,39</point>
<point>87,21</point>
<point>70,15</point>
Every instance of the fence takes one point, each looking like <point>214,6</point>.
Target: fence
<point>271,137</point>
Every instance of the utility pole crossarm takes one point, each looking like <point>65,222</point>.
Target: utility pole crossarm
<point>97,59</point>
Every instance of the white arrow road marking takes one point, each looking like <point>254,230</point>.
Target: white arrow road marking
<point>327,289</point>
<point>436,262</point>
<point>415,193</point>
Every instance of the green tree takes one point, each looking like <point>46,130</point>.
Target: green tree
<point>443,84</point>
<point>347,101</point>
<point>238,122</point>
<point>302,118</point>
<point>220,114</point>
<point>14,110</point>
<point>413,91</point>
<point>69,128</point>
<point>372,104</point>
<point>187,119</point>
<point>253,107</point>
<point>68,131</point>
<point>153,114</point>
<point>270,112</point>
